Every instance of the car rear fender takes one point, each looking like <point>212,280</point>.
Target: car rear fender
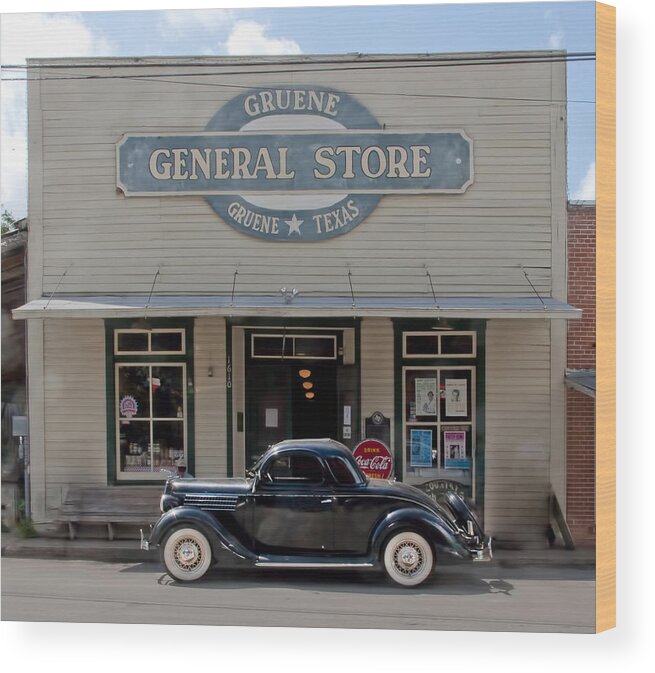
<point>436,531</point>
<point>218,536</point>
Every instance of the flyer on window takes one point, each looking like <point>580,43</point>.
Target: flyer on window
<point>456,397</point>
<point>420,448</point>
<point>426,397</point>
<point>454,447</point>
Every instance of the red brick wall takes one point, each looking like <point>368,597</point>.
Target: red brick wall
<point>581,419</point>
<point>582,286</point>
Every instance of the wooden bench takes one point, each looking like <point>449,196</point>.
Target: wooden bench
<point>109,505</point>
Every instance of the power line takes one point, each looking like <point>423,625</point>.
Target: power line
<point>490,60</point>
<point>372,65</point>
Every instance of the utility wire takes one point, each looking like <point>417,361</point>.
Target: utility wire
<point>152,61</point>
<point>373,65</point>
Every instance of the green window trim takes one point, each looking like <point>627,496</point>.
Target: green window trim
<point>111,360</point>
<point>402,325</point>
<point>291,324</point>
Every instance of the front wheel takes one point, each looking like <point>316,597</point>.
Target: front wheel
<point>408,559</point>
<point>186,554</point>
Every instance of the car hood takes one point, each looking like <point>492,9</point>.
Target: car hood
<point>233,486</point>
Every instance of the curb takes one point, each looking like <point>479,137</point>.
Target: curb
<point>128,551</point>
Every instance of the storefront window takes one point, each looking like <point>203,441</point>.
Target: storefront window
<point>150,417</point>
<point>438,409</point>
<point>150,397</point>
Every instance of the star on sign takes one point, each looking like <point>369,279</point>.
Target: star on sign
<point>294,225</point>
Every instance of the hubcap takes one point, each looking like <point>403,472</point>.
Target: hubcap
<point>408,558</point>
<point>188,554</point>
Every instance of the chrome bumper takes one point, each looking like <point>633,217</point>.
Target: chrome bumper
<point>486,553</point>
<point>145,544</point>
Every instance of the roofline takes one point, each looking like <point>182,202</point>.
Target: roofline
<point>296,58</point>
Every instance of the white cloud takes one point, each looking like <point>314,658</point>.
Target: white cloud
<point>248,38</point>
<point>32,36</point>
<point>190,21</point>
<point>48,35</point>
<point>587,189</point>
<point>556,40</point>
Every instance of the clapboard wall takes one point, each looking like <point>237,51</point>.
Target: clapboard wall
<point>75,408</point>
<point>518,430</point>
<point>472,243</point>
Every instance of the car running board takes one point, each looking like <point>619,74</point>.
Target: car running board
<point>350,563</point>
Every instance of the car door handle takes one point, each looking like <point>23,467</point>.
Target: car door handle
<point>326,501</point>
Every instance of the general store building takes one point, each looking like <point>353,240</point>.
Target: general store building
<point>227,252</point>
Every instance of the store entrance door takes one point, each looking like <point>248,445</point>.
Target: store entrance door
<point>289,399</point>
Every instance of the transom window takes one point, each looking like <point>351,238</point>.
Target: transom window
<point>154,341</point>
<point>438,344</point>
<point>300,346</point>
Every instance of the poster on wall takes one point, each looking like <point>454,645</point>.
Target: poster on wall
<point>454,447</point>
<point>456,397</point>
<point>420,448</point>
<point>426,397</point>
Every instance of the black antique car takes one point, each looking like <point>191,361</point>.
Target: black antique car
<point>306,504</point>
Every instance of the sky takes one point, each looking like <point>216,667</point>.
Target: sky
<point>400,28</point>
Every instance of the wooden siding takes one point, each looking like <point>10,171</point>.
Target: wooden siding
<point>518,428</point>
<point>377,370</point>
<point>472,243</point>
<point>210,401</point>
<point>75,406</point>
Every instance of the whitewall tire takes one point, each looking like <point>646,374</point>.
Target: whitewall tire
<point>186,554</point>
<point>408,559</point>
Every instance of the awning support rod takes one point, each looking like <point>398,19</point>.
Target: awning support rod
<point>352,292</point>
<point>55,290</point>
<point>234,284</point>
<point>434,296</point>
<point>534,289</point>
<point>154,280</point>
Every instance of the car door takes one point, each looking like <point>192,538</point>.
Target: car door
<point>293,506</point>
<point>356,509</point>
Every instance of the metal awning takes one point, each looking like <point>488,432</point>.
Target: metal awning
<point>159,306</point>
<point>582,380</point>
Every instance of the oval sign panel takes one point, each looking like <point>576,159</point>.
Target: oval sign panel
<point>294,163</point>
<point>374,459</point>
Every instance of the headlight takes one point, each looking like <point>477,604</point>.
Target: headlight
<point>168,502</point>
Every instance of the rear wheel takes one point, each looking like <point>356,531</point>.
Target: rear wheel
<point>408,559</point>
<point>186,554</point>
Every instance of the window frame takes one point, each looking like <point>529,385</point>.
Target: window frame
<point>149,332</point>
<point>151,419</point>
<point>437,425</point>
<point>142,358</point>
<point>292,338</point>
<point>439,354</point>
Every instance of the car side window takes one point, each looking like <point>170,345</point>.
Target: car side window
<point>295,468</point>
<point>341,471</point>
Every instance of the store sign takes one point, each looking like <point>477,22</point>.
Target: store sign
<point>128,406</point>
<point>294,163</point>
<point>437,487</point>
<point>374,459</point>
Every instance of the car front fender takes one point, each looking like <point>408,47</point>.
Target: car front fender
<point>215,532</point>
<point>436,531</point>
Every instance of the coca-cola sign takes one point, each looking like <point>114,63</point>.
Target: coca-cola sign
<point>374,459</point>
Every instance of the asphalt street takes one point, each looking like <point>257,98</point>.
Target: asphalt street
<point>479,597</point>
